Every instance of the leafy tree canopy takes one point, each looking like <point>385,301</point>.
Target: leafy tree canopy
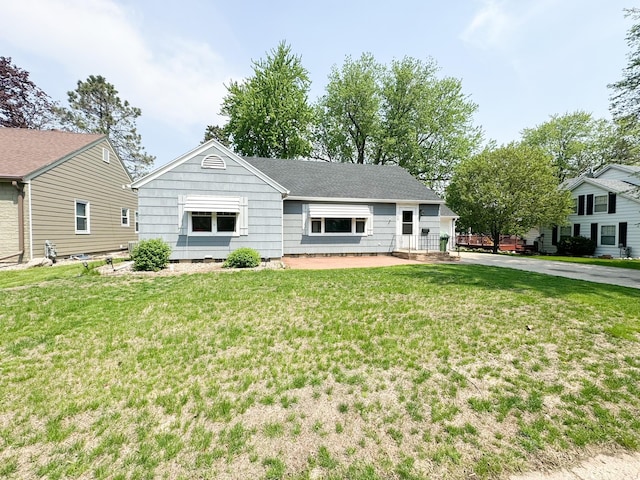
<point>95,107</point>
<point>507,190</point>
<point>269,114</point>
<point>625,100</point>
<point>22,103</point>
<point>576,142</point>
<point>398,114</point>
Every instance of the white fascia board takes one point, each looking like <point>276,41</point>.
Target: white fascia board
<point>362,200</point>
<point>197,151</point>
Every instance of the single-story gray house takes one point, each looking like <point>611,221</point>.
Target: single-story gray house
<point>210,201</point>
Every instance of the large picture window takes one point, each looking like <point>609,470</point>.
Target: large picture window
<point>338,219</point>
<point>82,217</point>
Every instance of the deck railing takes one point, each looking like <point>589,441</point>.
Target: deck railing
<point>423,243</point>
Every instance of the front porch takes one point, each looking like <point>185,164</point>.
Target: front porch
<point>424,247</point>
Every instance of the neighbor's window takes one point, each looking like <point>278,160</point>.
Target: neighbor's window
<point>212,222</point>
<point>340,226</point>
<point>565,232</point>
<point>607,234</point>
<point>82,217</point>
<point>125,217</point>
<point>105,155</point>
<point>136,216</point>
<point>600,203</point>
<point>574,205</point>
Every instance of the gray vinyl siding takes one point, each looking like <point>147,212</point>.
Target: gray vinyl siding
<point>297,242</point>
<point>614,173</point>
<point>88,178</point>
<point>159,209</point>
<point>626,211</point>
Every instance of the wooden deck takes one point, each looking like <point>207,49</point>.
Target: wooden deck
<point>508,243</point>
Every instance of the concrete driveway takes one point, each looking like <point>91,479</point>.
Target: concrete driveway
<point>591,273</point>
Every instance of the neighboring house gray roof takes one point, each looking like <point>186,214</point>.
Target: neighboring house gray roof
<point>312,179</point>
<point>24,151</point>
<point>447,212</point>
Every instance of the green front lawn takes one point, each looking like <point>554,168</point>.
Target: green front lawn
<point>413,372</point>
<point>603,262</point>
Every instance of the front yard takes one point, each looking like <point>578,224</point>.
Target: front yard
<point>427,371</point>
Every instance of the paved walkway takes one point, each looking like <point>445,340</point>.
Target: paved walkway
<point>591,273</point>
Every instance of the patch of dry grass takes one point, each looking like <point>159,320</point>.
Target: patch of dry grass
<point>404,372</point>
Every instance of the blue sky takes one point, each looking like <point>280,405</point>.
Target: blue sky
<point>519,60</point>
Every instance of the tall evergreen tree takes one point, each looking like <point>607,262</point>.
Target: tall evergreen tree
<point>95,107</point>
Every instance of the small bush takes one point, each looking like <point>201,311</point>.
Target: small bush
<point>151,255</point>
<point>242,258</point>
<point>576,246</point>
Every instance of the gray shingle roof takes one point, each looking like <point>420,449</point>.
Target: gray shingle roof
<point>312,179</point>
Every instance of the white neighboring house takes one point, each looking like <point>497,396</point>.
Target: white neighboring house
<point>607,209</point>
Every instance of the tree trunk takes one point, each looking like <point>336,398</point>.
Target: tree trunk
<point>495,236</point>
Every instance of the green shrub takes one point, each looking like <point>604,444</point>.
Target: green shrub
<point>576,246</point>
<point>151,255</point>
<point>242,258</point>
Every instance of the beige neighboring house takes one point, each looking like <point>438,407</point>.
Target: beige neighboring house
<point>66,190</point>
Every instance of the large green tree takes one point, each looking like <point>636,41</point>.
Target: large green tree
<point>22,103</point>
<point>397,114</point>
<point>577,142</point>
<point>625,100</point>
<point>269,113</point>
<point>507,190</point>
<point>95,107</point>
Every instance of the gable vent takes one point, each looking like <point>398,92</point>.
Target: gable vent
<point>213,161</point>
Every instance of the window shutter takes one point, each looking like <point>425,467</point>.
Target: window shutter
<point>554,235</point>
<point>581,205</point>
<point>244,216</point>
<point>590,204</point>
<point>612,203</point>
<point>370,221</point>
<point>576,229</point>
<point>622,233</point>
<point>181,200</point>
<point>594,232</point>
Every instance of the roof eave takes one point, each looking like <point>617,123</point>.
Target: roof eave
<point>361,200</point>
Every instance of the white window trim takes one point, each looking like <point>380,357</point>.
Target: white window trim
<point>87,216</point>
<point>333,211</point>
<point>615,236</point>
<point>214,226</point>
<point>127,216</point>
<point>352,233</point>
<point>605,204</point>
<point>106,155</point>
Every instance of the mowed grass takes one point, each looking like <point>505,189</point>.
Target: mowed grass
<point>412,372</point>
<point>632,264</point>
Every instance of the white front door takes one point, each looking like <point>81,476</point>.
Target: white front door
<point>407,221</point>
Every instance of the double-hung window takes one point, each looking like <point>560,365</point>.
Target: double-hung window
<point>608,235</point>
<point>565,232</point>
<point>124,217</point>
<point>212,215</point>
<point>82,217</point>
<point>600,203</point>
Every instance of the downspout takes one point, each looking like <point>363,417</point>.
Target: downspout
<point>20,189</point>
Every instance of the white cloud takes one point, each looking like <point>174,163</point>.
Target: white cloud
<point>175,80</point>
